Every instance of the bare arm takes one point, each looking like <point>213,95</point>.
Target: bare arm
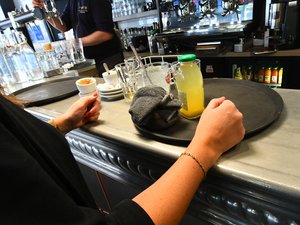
<point>96,38</point>
<point>219,128</point>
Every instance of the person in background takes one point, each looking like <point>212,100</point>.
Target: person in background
<point>42,184</point>
<point>92,22</point>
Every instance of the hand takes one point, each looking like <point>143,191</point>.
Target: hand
<point>38,3</point>
<point>220,127</point>
<point>83,111</point>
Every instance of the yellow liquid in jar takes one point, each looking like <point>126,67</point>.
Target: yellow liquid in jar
<point>190,90</point>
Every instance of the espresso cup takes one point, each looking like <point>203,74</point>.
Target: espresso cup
<point>86,85</point>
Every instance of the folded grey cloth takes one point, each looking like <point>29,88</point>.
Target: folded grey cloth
<point>153,108</point>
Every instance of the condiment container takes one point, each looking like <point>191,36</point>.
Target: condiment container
<point>274,76</point>
<point>261,75</point>
<point>280,73</point>
<point>268,73</point>
<point>189,82</point>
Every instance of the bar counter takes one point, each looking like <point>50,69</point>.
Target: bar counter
<point>257,182</point>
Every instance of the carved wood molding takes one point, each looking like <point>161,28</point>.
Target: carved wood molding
<point>223,200</point>
<point>123,164</point>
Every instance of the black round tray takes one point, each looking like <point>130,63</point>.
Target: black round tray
<point>259,104</point>
<point>48,92</point>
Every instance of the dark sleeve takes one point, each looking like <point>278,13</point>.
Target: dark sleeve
<point>29,196</point>
<point>129,212</point>
<point>102,15</point>
<point>66,16</point>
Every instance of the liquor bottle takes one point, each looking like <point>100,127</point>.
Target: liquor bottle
<point>155,31</point>
<point>149,37</point>
<point>249,73</point>
<point>238,74</point>
<point>125,40</point>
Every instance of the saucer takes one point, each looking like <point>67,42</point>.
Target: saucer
<point>113,97</point>
<point>111,92</point>
<point>108,88</point>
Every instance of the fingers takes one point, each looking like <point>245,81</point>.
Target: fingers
<point>92,118</point>
<point>92,105</point>
<point>236,117</point>
<point>214,103</point>
<point>221,125</point>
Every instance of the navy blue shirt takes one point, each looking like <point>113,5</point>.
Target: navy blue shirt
<point>88,16</point>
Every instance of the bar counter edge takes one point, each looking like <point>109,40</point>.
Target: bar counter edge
<point>257,182</point>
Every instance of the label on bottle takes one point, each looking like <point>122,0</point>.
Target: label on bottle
<point>274,76</point>
<point>183,98</point>
<point>280,73</point>
<point>268,75</point>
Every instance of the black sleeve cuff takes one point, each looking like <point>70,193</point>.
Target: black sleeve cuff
<point>128,212</point>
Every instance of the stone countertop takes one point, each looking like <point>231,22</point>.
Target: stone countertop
<point>270,158</point>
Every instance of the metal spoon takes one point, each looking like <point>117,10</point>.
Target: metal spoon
<point>106,68</point>
<point>140,62</point>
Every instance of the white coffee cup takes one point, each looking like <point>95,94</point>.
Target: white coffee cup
<point>86,85</point>
<point>88,94</point>
<point>111,78</point>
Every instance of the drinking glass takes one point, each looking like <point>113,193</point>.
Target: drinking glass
<point>158,73</point>
<point>128,80</point>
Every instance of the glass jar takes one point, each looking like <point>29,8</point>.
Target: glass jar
<point>189,83</point>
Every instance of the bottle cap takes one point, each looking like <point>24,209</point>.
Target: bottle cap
<point>186,57</point>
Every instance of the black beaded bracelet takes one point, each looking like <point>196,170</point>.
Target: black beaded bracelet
<point>196,160</point>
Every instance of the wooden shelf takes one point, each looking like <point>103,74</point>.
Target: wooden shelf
<point>137,15</point>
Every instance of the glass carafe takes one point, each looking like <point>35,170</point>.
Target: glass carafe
<point>189,83</point>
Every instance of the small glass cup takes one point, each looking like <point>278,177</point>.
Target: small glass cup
<point>129,90</point>
<point>128,81</point>
<point>158,73</point>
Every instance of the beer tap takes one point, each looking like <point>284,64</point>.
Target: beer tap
<point>46,13</point>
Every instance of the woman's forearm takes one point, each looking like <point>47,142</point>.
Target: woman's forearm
<point>167,199</point>
<point>219,129</point>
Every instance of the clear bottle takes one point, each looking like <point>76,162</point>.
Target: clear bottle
<point>16,61</point>
<point>189,83</point>
<point>6,75</point>
<point>33,67</point>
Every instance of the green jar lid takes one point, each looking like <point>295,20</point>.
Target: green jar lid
<point>186,57</point>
